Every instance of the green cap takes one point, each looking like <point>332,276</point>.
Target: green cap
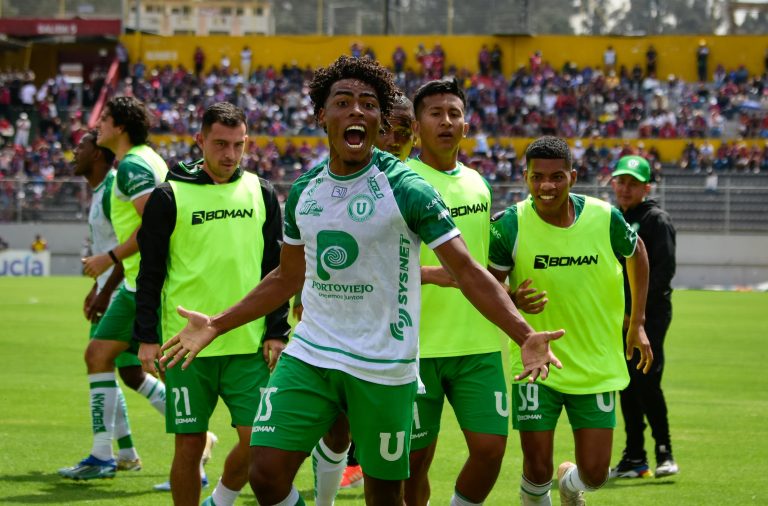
<point>635,166</point>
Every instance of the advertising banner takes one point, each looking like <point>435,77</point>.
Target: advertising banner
<point>17,262</point>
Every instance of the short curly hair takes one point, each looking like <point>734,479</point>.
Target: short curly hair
<point>131,114</point>
<point>548,148</point>
<point>363,69</point>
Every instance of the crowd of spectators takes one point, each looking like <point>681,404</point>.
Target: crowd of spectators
<point>39,126</point>
<point>738,156</point>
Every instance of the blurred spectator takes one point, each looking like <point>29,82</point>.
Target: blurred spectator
<point>199,60</point>
<point>356,50</point>
<point>23,127</point>
<point>609,59</point>
<point>534,61</point>
<point>710,182</point>
<point>245,62</point>
<point>496,57</point>
<point>438,61</point>
<point>121,53</point>
<point>484,60</point>
<point>27,93</point>
<point>399,58</point>
<point>370,53</point>
<point>702,60</point>
<point>39,244</point>
<point>224,63</point>
<point>650,60</point>
<point>6,130</point>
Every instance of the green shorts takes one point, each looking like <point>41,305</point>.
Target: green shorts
<point>536,407</point>
<point>475,387</point>
<point>192,393</point>
<point>125,359</point>
<point>302,401</point>
<point>117,322</point>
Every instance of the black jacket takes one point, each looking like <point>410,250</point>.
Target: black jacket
<point>154,236</point>
<point>654,226</point>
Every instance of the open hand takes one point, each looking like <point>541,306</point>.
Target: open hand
<point>196,335</point>
<point>537,355</point>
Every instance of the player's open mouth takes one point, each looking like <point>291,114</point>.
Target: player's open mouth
<point>547,197</point>
<point>354,136</point>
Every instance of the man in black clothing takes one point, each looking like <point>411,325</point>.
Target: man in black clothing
<point>643,398</point>
<point>208,235</point>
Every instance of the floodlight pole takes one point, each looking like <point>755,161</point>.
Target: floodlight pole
<point>386,17</point>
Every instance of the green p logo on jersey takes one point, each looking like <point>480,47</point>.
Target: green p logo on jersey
<point>335,250</point>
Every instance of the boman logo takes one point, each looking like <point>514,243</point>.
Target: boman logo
<point>200,217</point>
<point>546,261</point>
<point>480,207</point>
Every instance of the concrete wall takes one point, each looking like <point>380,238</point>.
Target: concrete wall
<point>702,259</point>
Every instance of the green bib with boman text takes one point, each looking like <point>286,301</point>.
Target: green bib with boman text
<point>450,324</point>
<point>125,219</point>
<point>578,269</point>
<point>214,258</point>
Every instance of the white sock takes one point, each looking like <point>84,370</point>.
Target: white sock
<point>103,388</point>
<point>292,499</point>
<point>533,494</point>
<point>573,481</point>
<point>328,468</point>
<point>123,429</point>
<point>457,500</point>
<point>223,496</point>
<point>154,390</point>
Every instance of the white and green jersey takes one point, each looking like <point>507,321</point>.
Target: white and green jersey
<point>361,236</point>
<point>140,170</point>
<point>103,236</point>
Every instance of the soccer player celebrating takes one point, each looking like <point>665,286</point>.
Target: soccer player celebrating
<point>353,225</point>
<point>644,398</point>
<point>209,222</point>
<point>560,249</point>
<point>123,129</point>
<point>328,457</point>
<point>459,349</point>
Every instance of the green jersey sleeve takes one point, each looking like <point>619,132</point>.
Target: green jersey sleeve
<point>623,238</point>
<point>422,207</point>
<point>106,201</point>
<point>290,228</point>
<point>503,239</point>
<point>135,177</point>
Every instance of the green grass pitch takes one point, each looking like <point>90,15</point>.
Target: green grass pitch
<point>715,384</point>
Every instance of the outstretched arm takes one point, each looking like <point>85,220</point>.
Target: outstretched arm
<point>274,290</point>
<point>493,302</point>
<point>637,273</point>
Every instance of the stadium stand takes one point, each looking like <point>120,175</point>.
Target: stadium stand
<point>614,114</point>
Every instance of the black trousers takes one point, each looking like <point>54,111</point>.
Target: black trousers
<point>643,398</point>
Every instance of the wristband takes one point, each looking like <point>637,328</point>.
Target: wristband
<point>113,256</point>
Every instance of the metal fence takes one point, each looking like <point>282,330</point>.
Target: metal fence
<point>727,209</point>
